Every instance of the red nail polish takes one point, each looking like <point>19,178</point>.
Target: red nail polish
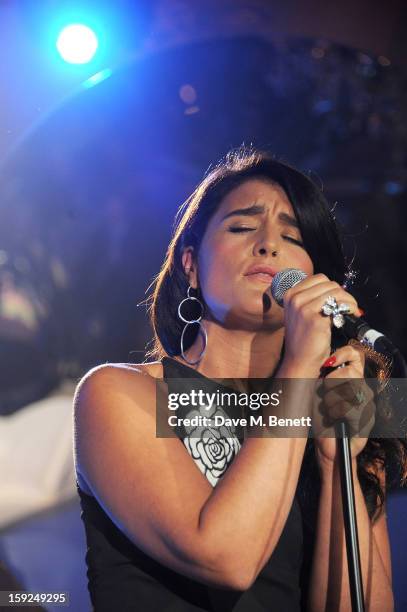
<point>329,362</point>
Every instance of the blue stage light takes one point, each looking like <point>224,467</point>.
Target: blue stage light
<point>77,43</point>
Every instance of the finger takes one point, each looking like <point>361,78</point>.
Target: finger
<point>355,391</point>
<point>333,402</point>
<point>350,352</point>
<point>308,282</point>
<point>314,285</point>
<point>318,286</point>
<point>359,419</point>
<point>348,355</point>
<point>345,371</point>
<point>319,293</point>
<point>310,288</point>
<point>367,420</point>
<point>341,296</point>
<point>338,411</point>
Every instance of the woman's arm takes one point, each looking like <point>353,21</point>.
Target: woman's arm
<point>329,585</point>
<point>156,495</point>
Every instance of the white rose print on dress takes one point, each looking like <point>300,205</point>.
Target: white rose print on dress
<point>212,448</point>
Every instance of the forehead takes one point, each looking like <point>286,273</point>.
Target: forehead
<point>271,194</point>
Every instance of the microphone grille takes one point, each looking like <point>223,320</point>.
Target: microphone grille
<point>284,280</point>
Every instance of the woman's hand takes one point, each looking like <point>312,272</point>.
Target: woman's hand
<point>308,332</point>
<point>345,396</point>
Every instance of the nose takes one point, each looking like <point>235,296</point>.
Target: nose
<point>267,244</point>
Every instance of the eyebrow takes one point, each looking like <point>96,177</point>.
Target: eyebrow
<point>258,209</point>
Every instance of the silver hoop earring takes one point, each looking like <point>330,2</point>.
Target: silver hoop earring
<point>190,322</point>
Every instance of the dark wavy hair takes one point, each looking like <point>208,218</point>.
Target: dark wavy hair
<point>322,241</point>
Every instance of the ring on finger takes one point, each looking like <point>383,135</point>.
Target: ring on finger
<point>360,397</point>
<point>331,308</point>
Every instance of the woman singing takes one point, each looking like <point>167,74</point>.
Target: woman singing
<point>249,525</point>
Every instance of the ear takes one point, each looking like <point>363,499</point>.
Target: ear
<point>189,265</point>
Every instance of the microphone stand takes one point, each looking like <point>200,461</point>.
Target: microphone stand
<point>349,517</point>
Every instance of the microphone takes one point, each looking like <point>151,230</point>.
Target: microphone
<point>354,327</point>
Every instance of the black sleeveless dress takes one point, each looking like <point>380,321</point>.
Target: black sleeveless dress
<point>121,577</point>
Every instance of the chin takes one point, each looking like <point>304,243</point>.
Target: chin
<point>267,308</point>
<point>261,319</point>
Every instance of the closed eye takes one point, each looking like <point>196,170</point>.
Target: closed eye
<point>241,229</point>
<point>252,229</point>
<point>294,240</point>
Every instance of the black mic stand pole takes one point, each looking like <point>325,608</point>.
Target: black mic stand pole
<point>349,516</point>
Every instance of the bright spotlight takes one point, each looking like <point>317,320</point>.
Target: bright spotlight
<point>77,44</point>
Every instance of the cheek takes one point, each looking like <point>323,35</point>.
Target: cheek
<point>215,255</point>
<point>305,263</point>
<point>216,266</point>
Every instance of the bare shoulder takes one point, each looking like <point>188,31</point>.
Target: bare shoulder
<point>112,376</point>
<point>153,368</point>
<point>107,395</point>
<point>111,390</point>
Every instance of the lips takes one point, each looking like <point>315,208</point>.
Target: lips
<point>262,272</point>
<point>266,278</point>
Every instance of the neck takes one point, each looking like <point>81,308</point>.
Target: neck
<point>237,353</point>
